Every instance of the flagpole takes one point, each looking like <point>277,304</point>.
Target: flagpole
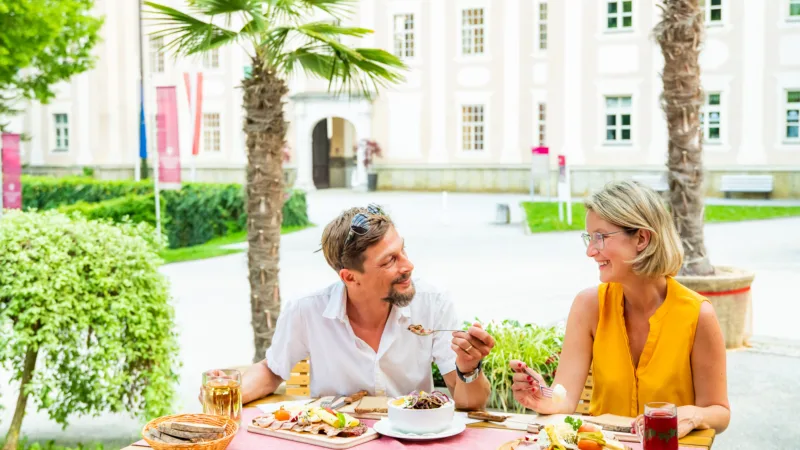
<point>137,166</point>
<point>150,145</point>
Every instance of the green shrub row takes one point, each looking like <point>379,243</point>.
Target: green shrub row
<point>193,215</point>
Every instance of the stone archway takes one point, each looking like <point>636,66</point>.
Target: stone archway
<point>309,109</point>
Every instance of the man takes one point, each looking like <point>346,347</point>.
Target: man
<point>355,332</point>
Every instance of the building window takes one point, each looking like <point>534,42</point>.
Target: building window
<point>619,14</point>
<point>157,55</point>
<point>472,128</point>
<point>618,119</point>
<point>472,31</point>
<point>404,35</point>
<point>712,108</point>
<point>793,115</point>
<point>712,9</point>
<point>543,26</point>
<point>542,124</point>
<point>62,132</point>
<point>211,132</point>
<point>211,59</point>
<point>794,9</point>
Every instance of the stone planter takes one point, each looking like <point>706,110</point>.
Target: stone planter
<point>372,182</point>
<point>729,292</point>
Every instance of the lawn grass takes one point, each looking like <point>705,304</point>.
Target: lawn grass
<point>213,247</point>
<point>543,216</point>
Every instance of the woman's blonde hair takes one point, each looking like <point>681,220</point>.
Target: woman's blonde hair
<point>634,206</point>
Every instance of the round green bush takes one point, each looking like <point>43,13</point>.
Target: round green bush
<point>86,302</point>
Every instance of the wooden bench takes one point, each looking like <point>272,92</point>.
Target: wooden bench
<point>657,182</point>
<point>300,380</point>
<point>746,184</point>
<point>586,396</point>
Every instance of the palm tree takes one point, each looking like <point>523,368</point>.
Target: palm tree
<point>680,34</point>
<point>281,41</point>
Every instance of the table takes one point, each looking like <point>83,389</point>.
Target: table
<point>701,439</point>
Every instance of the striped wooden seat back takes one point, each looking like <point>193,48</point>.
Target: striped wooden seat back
<point>586,396</point>
<point>299,382</point>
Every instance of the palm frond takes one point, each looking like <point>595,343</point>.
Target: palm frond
<point>186,34</point>
<point>359,70</point>
<point>216,7</point>
<point>322,55</point>
<point>336,8</point>
<point>331,30</point>
<point>304,8</point>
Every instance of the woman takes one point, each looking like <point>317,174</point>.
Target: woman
<point>647,337</point>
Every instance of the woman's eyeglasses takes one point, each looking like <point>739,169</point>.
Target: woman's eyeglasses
<point>597,238</point>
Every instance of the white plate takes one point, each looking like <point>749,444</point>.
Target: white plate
<point>384,427</point>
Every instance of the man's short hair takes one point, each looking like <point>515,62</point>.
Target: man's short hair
<point>351,256</point>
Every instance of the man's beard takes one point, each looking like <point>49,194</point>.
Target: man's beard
<point>399,299</point>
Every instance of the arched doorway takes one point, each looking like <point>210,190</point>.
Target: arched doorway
<point>332,154</point>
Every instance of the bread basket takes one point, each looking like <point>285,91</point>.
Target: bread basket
<point>231,428</point>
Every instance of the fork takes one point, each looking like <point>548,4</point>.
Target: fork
<point>546,391</point>
<point>429,332</point>
<point>328,403</point>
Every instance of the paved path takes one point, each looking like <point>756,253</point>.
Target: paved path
<point>493,272</point>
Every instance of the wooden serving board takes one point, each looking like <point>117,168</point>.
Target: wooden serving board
<point>320,440</point>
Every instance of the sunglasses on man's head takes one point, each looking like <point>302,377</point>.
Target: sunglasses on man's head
<point>360,223</point>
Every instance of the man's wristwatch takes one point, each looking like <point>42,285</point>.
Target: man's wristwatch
<point>471,376</point>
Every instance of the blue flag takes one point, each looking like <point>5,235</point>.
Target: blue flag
<point>142,129</point>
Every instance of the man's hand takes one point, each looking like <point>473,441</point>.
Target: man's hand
<point>471,346</point>
<point>216,373</point>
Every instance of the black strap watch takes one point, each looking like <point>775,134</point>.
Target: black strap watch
<point>471,376</point>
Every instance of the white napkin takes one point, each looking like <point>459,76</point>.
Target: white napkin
<point>269,408</point>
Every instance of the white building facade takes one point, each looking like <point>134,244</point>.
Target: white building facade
<point>487,82</point>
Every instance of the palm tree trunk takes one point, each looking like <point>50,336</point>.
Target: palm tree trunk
<point>12,438</point>
<point>679,34</point>
<point>266,130</point>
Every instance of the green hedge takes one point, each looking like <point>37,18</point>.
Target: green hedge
<point>138,208</point>
<point>193,215</point>
<point>49,192</point>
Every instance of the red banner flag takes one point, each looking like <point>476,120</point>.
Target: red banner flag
<point>198,108</point>
<point>198,115</point>
<point>169,153</point>
<point>12,188</point>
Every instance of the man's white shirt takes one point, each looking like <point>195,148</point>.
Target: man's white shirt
<point>317,326</point>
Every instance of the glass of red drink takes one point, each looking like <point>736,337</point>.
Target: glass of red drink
<point>660,426</point>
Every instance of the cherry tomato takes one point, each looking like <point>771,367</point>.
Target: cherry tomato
<point>282,415</point>
<point>586,444</point>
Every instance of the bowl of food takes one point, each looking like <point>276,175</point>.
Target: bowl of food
<point>421,412</point>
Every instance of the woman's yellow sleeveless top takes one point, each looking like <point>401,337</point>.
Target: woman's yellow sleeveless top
<point>664,373</point>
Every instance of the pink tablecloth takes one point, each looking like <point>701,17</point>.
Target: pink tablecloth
<point>469,439</point>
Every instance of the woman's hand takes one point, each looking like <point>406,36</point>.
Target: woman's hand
<point>525,387</point>
<point>689,419</point>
